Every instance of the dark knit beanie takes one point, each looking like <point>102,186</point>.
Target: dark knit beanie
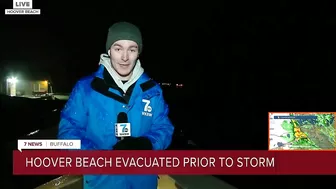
<point>123,31</point>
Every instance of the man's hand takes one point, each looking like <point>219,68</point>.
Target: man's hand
<point>133,143</point>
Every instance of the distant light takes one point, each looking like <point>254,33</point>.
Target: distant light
<point>179,85</point>
<point>32,133</point>
<point>168,84</point>
<point>12,80</point>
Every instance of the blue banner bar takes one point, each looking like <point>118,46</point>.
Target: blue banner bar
<point>295,117</point>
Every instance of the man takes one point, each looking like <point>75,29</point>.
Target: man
<point>119,85</point>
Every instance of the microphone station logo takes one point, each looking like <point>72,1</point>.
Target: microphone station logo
<point>22,7</point>
<point>123,129</point>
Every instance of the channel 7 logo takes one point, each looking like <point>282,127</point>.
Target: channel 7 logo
<point>124,128</point>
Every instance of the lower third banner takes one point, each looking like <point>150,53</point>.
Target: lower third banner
<point>78,162</point>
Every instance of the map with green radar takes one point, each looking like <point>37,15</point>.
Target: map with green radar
<point>302,131</point>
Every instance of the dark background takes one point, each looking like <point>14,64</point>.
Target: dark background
<point>257,40</point>
<point>238,60</point>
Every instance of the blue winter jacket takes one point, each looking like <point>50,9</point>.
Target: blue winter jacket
<point>90,115</point>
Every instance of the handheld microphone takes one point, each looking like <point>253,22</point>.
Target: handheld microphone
<point>122,127</point>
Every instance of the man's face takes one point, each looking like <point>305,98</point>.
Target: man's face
<point>124,54</point>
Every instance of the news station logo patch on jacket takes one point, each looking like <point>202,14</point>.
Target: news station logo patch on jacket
<point>147,108</point>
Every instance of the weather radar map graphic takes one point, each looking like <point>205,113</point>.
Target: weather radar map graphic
<point>302,131</point>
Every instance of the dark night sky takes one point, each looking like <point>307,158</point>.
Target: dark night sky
<point>181,42</point>
<point>67,39</point>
